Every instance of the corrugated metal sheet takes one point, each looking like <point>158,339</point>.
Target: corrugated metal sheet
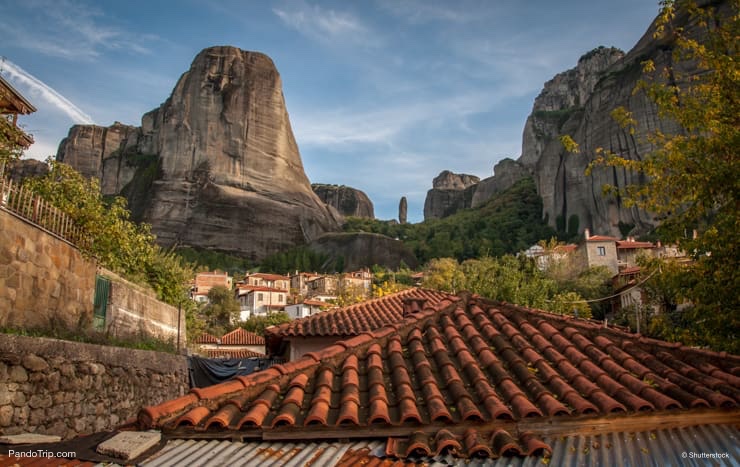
<point>656,448</point>
<point>251,454</point>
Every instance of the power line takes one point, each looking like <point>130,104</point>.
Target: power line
<point>594,300</point>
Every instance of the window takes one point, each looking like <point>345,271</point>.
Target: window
<point>281,298</point>
<point>260,297</point>
<point>601,250</point>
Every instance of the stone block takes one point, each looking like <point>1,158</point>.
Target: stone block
<point>18,374</point>
<point>129,444</point>
<point>29,438</point>
<point>6,415</point>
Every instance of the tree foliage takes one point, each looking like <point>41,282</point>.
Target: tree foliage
<point>114,240</point>
<point>258,324</point>
<point>509,222</point>
<point>222,309</point>
<point>693,175</point>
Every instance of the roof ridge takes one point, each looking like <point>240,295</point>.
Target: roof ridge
<point>355,306</point>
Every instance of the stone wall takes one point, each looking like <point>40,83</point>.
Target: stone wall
<point>134,311</point>
<point>45,282</point>
<point>66,388</point>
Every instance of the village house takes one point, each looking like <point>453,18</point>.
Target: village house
<point>299,282</point>
<point>261,279</point>
<point>238,343</point>
<point>260,301</point>
<point>205,281</point>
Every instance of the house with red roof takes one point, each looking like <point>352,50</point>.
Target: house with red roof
<point>238,343</point>
<point>463,377</point>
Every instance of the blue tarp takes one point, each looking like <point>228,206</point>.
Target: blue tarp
<point>209,371</point>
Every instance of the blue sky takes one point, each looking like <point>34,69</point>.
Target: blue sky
<point>382,95</point>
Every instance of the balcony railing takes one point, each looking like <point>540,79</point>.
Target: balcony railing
<point>26,204</point>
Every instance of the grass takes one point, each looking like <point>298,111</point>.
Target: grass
<point>95,337</point>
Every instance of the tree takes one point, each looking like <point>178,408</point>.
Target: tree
<point>222,309</point>
<point>693,175</point>
<point>10,147</point>
<point>112,238</point>
<point>444,274</point>
<point>258,324</point>
<point>570,303</point>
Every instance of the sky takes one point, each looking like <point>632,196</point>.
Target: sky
<point>382,95</point>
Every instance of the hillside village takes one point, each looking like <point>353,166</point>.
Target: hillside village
<point>392,344</point>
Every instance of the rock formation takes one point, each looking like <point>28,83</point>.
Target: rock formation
<point>362,249</point>
<point>27,168</point>
<point>346,200</point>
<point>222,166</point>
<point>450,193</point>
<point>403,209</point>
<point>578,103</point>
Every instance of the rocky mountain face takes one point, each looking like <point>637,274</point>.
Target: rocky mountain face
<point>216,165</point>
<point>578,103</point>
<point>450,193</point>
<point>363,249</point>
<point>346,200</point>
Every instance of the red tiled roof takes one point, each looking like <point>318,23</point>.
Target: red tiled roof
<point>206,338</point>
<point>259,288</point>
<point>270,277</point>
<point>565,248</point>
<point>356,319</point>
<point>624,244</point>
<point>629,270</point>
<point>240,336</point>
<point>316,303</point>
<point>601,238</point>
<point>232,353</point>
<point>470,378</point>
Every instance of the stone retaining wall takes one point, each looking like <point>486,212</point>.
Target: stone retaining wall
<point>66,388</point>
<point>45,282</point>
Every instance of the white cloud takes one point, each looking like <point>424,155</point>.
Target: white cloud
<point>69,30</point>
<point>423,11</point>
<point>382,126</point>
<point>326,25</point>
<point>45,92</point>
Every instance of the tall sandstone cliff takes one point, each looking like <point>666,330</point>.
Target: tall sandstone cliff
<point>578,103</point>
<point>216,165</point>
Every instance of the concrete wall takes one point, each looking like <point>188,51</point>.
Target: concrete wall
<point>134,311</point>
<point>66,388</point>
<point>44,281</point>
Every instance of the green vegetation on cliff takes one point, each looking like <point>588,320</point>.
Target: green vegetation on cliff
<point>509,222</point>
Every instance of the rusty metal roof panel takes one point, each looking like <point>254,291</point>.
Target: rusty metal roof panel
<point>258,453</point>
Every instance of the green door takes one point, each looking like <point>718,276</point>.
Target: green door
<point>100,303</point>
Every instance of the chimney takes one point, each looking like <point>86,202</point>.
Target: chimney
<point>587,233</point>
<point>694,235</point>
<point>412,305</point>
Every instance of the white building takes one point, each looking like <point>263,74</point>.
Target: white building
<point>305,309</point>
<point>260,301</point>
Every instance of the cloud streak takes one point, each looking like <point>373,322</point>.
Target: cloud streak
<point>45,92</point>
<point>326,26</point>
<point>68,30</point>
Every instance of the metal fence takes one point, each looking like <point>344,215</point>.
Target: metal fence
<point>26,204</point>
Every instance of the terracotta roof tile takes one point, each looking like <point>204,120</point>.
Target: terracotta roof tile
<point>356,319</point>
<point>478,367</point>
<point>206,338</point>
<point>240,336</point>
<point>232,353</point>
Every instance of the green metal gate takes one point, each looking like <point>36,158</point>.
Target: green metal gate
<point>100,303</point>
